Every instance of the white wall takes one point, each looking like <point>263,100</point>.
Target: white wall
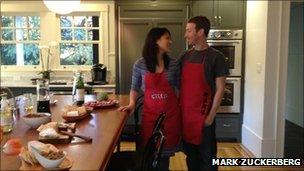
<point>265,52</point>
<point>256,27</point>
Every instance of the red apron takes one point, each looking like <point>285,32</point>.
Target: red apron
<point>196,101</point>
<point>160,97</point>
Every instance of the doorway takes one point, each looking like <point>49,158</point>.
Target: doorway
<point>294,119</point>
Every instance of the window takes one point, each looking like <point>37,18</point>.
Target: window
<point>20,36</point>
<point>79,40</point>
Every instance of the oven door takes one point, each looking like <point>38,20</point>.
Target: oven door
<point>232,50</point>
<point>231,98</point>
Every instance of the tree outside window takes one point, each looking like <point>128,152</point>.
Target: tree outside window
<point>79,40</point>
<point>20,36</point>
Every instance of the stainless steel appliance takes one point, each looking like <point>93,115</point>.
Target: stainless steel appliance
<point>229,42</point>
<point>232,96</point>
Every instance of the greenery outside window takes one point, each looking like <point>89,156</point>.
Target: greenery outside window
<point>20,37</point>
<point>79,40</point>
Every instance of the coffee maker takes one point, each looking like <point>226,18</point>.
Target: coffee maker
<point>99,74</point>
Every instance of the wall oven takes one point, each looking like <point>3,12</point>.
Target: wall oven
<point>231,101</point>
<point>229,42</point>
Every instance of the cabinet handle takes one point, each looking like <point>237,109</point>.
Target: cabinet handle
<point>215,19</point>
<point>226,125</point>
<point>220,19</point>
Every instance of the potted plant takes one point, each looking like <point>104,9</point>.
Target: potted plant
<point>46,71</point>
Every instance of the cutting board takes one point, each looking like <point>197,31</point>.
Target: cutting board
<point>62,139</point>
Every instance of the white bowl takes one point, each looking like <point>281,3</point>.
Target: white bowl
<point>35,122</point>
<point>45,162</point>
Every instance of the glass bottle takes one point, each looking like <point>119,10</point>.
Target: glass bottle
<point>78,88</point>
<point>28,103</point>
<point>43,96</point>
<point>6,114</point>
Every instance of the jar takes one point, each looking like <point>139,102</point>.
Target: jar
<point>6,113</point>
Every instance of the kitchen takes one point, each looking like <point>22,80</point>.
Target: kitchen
<point>118,29</point>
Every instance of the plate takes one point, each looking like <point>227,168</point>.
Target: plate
<point>102,104</point>
<point>66,164</point>
<point>77,118</point>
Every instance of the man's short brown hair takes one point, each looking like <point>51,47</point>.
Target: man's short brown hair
<point>201,22</point>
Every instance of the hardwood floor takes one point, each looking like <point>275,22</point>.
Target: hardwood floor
<point>225,150</point>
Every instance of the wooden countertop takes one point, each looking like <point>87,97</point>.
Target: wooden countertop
<point>28,85</point>
<point>104,126</point>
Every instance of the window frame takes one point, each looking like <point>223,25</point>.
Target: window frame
<point>99,42</point>
<point>100,9</point>
<point>23,67</point>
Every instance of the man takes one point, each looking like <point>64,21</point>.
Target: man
<point>203,76</point>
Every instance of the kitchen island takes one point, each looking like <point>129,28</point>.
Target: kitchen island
<point>104,126</point>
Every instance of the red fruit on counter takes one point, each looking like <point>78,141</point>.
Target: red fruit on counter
<point>12,146</point>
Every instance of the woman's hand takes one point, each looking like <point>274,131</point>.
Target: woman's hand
<point>128,108</point>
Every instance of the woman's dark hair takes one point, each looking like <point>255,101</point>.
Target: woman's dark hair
<point>150,49</point>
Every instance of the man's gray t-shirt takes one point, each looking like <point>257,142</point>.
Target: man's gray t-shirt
<point>215,65</point>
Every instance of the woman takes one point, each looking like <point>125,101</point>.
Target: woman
<point>156,75</point>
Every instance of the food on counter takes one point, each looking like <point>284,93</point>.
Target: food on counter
<point>102,96</point>
<point>12,146</point>
<point>72,110</point>
<point>49,133</point>
<point>53,155</point>
<point>46,154</point>
<point>28,156</point>
<point>49,130</point>
<point>103,103</point>
<point>72,113</point>
<point>34,120</point>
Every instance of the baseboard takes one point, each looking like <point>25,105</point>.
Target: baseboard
<point>258,146</point>
<point>251,141</point>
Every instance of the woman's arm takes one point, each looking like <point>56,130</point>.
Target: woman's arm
<point>131,106</point>
<point>135,86</point>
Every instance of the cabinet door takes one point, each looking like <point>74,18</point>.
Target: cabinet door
<point>132,34</point>
<point>230,14</point>
<point>177,30</point>
<point>205,8</point>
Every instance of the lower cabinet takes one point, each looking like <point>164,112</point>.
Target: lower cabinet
<point>228,127</point>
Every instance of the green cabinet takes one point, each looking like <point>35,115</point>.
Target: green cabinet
<point>222,14</point>
<point>177,31</point>
<point>134,23</point>
<point>132,35</point>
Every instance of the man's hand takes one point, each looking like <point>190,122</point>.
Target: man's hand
<point>209,120</point>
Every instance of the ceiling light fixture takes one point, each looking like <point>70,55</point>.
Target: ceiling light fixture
<point>62,7</point>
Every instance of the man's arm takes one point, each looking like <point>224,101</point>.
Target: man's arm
<point>220,87</point>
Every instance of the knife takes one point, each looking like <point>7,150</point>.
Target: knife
<point>86,139</point>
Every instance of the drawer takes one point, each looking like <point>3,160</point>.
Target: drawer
<point>107,90</point>
<point>227,124</point>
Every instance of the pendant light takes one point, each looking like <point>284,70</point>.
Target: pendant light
<point>61,6</point>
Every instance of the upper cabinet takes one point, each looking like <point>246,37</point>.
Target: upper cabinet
<point>134,22</point>
<point>222,14</point>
